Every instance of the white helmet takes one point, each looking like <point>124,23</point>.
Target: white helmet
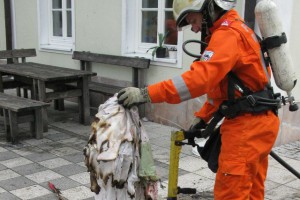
<point>182,7</point>
<point>226,4</point>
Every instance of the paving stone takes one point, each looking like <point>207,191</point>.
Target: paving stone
<point>192,164</point>
<point>283,193</point>
<point>2,190</point>
<point>35,142</point>
<point>50,131</point>
<point>64,151</point>
<point>74,158</point>
<point>50,196</point>
<point>16,183</point>
<point>190,180</point>
<point>50,146</point>
<point>294,184</point>
<point>8,196</point>
<point>91,198</point>
<point>163,170</point>
<point>66,138</point>
<point>7,174</point>
<point>78,193</point>
<point>9,146</point>
<point>54,163</point>
<point>30,192</point>
<point>69,170</point>
<point>81,164</point>
<point>206,172</point>
<point>27,150</point>
<point>82,178</point>
<point>270,185</point>
<point>15,162</point>
<point>58,136</point>
<point>72,126</point>
<point>29,169</point>
<point>2,167</point>
<point>38,157</point>
<point>2,149</point>
<point>164,141</point>
<point>75,143</point>
<point>43,176</point>
<point>206,195</point>
<point>8,155</point>
<point>61,183</point>
<point>279,175</point>
<point>162,154</point>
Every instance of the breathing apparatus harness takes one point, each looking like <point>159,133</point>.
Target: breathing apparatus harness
<point>249,102</point>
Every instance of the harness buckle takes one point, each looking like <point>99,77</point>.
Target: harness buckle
<point>251,100</point>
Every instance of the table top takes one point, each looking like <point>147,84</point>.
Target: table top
<point>43,72</point>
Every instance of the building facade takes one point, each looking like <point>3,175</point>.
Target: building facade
<point>55,28</point>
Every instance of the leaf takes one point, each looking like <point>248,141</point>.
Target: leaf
<point>162,38</point>
<point>154,51</point>
<point>55,190</point>
<point>150,49</point>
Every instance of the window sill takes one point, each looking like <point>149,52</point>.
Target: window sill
<point>57,48</point>
<point>169,62</point>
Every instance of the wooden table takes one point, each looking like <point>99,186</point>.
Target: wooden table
<point>40,78</point>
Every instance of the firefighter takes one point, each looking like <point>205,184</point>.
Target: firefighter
<point>247,134</point>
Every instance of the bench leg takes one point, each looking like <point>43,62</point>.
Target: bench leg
<point>18,91</point>
<point>6,124</point>
<point>44,118</point>
<point>38,124</point>
<point>59,104</point>
<point>13,123</point>
<point>25,93</point>
<point>84,101</point>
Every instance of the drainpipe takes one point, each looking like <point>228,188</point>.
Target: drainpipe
<point>249,16</point>
<point>8,26</point>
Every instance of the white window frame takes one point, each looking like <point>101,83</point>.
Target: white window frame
<point>48,42</point>
<point>131,36</point>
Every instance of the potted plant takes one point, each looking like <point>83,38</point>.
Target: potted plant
<point>161,51</point>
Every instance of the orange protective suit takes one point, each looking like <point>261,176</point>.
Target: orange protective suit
<point>246,139</point>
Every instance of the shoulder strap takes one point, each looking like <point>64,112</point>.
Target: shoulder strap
<point>235,83</point>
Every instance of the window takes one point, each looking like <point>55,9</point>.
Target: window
<point>157,17</point>
<point>56,25</point>
<point>144,19</point>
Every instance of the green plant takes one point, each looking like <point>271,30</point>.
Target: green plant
<point>161,40</point>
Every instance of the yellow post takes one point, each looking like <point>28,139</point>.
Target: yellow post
<point>176,136</point>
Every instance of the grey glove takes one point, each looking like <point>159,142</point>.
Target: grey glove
<point>197,123</point>
<point>131,96</point>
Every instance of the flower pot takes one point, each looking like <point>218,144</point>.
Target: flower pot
<point>161,52</point>
<point>172,54</point>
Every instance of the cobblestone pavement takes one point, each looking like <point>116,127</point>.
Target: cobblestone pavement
<point>26,168</point>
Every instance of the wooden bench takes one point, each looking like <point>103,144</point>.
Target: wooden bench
<point>138,66</point>
<point>16,56</point>
<point>18,110</point>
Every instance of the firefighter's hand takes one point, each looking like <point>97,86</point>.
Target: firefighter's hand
<point>131,96</point>
<point>197,124</point>
<point>196,128</point>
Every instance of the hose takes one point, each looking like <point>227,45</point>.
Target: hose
<point>192,41</point>
<point>284,164</point>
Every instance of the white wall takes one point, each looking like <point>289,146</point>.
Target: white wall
<point>2,27</point>
<point>294,43</point>
<point>289,14</point>
<point>98,25</point>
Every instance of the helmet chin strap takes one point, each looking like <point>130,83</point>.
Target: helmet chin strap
<point>210,15</point>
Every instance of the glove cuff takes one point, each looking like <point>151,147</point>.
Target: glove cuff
<point>145,94</point>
